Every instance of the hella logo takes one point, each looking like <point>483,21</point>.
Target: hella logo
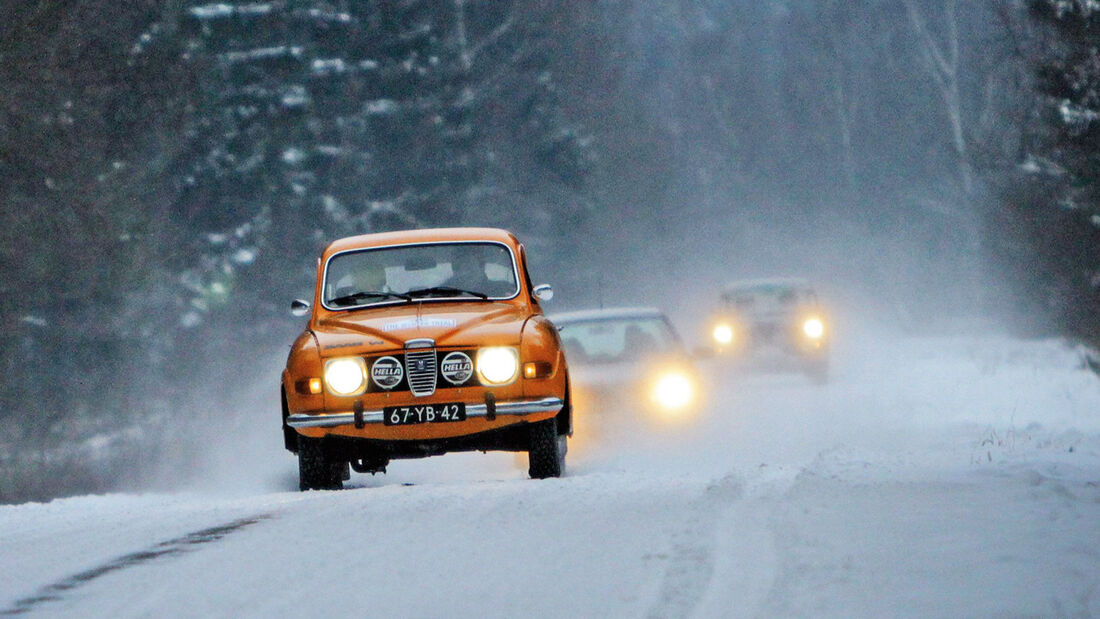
<point>457,368</point>
<point>387,372</point>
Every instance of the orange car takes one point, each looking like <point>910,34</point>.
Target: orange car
<point>421,343</point>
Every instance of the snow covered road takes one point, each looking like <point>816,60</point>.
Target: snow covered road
<point>932,477</point>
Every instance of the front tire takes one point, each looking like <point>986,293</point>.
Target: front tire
<point>546,453</point>
<point>316,471</point>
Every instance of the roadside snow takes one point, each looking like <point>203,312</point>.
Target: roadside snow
<point>930,477</point>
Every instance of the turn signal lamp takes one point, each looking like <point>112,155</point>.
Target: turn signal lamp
<point>309,386</point>
<point>536,369</point>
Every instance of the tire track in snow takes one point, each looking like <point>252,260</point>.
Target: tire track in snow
<point>691,564</point>
<point>186,543</point>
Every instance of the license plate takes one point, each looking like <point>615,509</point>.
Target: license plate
<point>423,413</point>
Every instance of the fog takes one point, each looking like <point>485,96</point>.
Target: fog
<point>924,442</point>
<point>646,152</point>
<point>884,268</point>
<point>769,139</point>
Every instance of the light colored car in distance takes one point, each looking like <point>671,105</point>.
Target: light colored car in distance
<point>773,323</point>
<point>629,362</point>
<point>420,343</point>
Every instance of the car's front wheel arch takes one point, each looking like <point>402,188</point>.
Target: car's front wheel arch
<point>290,435</point>
<point>565,415</point>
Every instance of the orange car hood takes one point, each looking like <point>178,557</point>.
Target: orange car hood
<point>449,324</point>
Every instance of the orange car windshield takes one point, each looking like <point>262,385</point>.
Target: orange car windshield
<point>406,273</point>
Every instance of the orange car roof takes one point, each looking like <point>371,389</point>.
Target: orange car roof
<point>428,235</point>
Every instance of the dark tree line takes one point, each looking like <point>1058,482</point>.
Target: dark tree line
<point>1052,204</point>
<point>83,240</point>
<point>169,169</point>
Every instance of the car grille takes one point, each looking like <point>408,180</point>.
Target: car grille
<point>420,367</point>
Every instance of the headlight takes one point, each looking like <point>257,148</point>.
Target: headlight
<point>497,365</point>
<point>674,390</point>
<point>346,376</point>
<point>723,334</point>
<point>813,328</point>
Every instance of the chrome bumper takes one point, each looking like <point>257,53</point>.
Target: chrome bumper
<point>514,407</point>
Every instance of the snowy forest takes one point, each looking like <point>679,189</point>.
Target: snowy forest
<point>170,171</point>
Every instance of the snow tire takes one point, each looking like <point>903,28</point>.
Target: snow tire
<point>316,471</point>
<point>546,453</point>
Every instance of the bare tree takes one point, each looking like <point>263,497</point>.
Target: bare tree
<point>941,55</point>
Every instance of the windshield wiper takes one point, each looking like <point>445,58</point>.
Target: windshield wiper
<point>445,290</point>
<point>350,299</point>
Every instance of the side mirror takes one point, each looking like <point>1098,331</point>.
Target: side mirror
<point>299,307</point>
<point>543,292</point>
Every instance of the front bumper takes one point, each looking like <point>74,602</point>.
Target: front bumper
<point>510,407</point>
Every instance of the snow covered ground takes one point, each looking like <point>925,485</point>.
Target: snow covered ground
<point>955,476</point>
